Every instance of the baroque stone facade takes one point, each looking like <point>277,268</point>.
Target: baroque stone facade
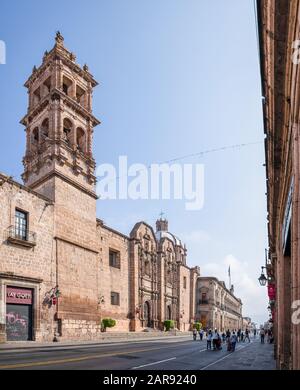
<point>62,270</point>
<point>217,307</point>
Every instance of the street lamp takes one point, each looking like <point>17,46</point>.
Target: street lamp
<point>262,279</point>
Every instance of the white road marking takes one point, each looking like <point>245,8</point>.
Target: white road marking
<point>219,360</point>
<point>152,364</point>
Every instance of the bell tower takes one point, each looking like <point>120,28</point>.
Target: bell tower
<point>59,164</point>
<point>59,123</point>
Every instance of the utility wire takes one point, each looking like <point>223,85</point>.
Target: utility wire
<point>198,154</point>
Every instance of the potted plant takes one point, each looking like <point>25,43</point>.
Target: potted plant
<point>198,326</point>
<point>107,323</point>
<point>169,324</point>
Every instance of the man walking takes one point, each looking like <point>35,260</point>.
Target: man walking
<point>194,334</point>
<point>209,337</point>
<point>247,335</point>
<point>262,336</point>
<point>201,333</point>
<point>214,339</point>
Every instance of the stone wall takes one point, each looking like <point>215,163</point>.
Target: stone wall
<point>31,267</point>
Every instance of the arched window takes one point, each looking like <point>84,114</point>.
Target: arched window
<point>67,131</point>
<point>81,139</point>
<point>45,129</point>
<point>147,267</point>
<point>67,84</point>
<point>35,136</point>
<point>35,139</point>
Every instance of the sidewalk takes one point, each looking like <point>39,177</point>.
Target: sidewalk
<point>107,338</point>
<point>253,356</point>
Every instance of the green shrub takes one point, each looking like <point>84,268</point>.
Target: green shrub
<point>108,323</point>
<point>197,325</point>
<point>169,324</point>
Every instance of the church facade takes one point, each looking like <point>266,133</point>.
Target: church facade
<point>62,270</point>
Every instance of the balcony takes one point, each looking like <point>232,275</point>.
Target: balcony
<point>21,237</point>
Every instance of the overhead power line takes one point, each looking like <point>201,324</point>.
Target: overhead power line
<point>208,151</point>
<point>197,154</point>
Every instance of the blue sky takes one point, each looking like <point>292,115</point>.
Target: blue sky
<point>176,77</point>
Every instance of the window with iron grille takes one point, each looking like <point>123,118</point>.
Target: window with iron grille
<point>115,298</point>
<point>114,259</point>
<point>21,225</point>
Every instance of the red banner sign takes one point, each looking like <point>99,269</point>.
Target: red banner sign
<point>272,291</point>
<point>17,295</point>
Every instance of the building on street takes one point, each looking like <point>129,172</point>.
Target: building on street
<point>62,270</point>
<point>217,307</point>
<point>279,33</point>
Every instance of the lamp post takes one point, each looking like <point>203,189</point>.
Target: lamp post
<point>262,279</point>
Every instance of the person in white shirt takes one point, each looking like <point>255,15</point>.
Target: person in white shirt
<point>215,337</point>
<point>208,339</point>
<point>233,340</point>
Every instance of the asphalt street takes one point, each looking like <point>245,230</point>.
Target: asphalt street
<point>173,354</point>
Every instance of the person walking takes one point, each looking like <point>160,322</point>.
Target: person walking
<point>254,333</point>
<point>194,334</point>
<point>247,335</point>
<point>224,337</point>
<point>238,335</point>
<point>262,336</point>
<point>233,341</point>
<point>201,333</point>
<point>215,339</point>
<point>208,340</point>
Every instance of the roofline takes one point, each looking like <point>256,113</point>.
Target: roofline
<point>220,283</point>
<point>10,180</point>
<point>102,224</point>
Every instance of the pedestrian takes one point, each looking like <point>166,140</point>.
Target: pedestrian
<point>194,334</point>
<point>233,341</point>
<point>219,343</point>
<point>208,340</point>
<point>242,336</point>
<point>254,333</point>
<point>238,335</point>
<point>201,333</point>
<point>262,336</point>
<point>215,338</point>
<point>224,337</point>
<point>247,335</point>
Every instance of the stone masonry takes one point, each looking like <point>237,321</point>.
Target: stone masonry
<point>72,269</point>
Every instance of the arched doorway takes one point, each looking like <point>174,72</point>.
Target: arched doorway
<point>147,315</point>
<point>169,312</point>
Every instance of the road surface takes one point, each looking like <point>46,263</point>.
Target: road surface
<point>180,353</point>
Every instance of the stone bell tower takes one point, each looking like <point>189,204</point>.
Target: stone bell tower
<point>59,123</point>
<point>59,164</point>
